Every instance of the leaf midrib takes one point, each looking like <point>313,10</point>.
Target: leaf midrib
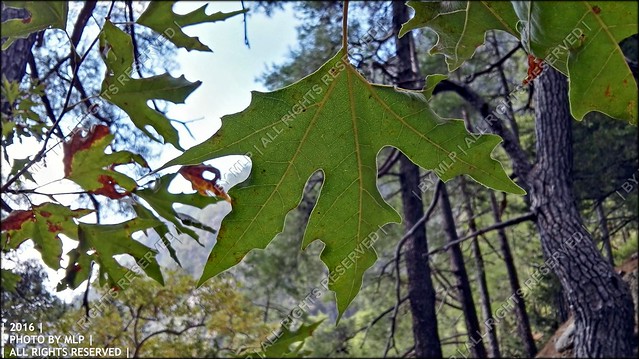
<point>301,143</point>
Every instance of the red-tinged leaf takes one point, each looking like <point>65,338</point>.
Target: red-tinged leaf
<point>86,163</point>
<point>195,175</point>
<point>42,224</point>
<point>42,15</point>
<point>15,220</point>
<point>81,143</point>
<point>108,188</point>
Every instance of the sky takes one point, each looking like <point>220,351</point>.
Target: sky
<point>228,75</point>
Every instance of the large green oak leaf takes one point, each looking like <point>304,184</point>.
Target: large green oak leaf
<point>336,122</point>
<point>581,39</point>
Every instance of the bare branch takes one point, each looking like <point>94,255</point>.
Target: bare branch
<point>511,222</point>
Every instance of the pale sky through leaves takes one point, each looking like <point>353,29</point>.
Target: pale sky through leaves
<point>228,76</point>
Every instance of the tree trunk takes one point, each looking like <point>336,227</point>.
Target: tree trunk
<point>523,323</point>
<point>605,234</point>
<point>14,59</point>
<point>484,296</point>
<point>421,293</point>
<point>600,300</point>
<point>477,348</point>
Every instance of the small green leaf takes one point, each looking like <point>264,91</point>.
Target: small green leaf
<point>42,15</point>
<point>106,241</point>
<point>337,122</point>
<point>431,82</point>
<point>162,231</point>
<point>132,95</point>
<point>19,164</point>
<point>194,222</point>
<point>9,280</point>
<point>281,346</point>
<point>42,224</point>
<point>162,201</point>
<point>78,269</point>
<point>460,26</point>
<point>160,17</point>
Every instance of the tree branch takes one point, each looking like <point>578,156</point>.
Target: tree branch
<point>470,78</point>
<point>521,164</point>
<point>43,150</point>
<point>511,222</point>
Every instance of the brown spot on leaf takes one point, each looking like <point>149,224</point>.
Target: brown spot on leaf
<point>45,214</point>
<point>596,9</point>
<point>108,188</point>
<point>77,142</point>
<point>194,174</point>
<point>76,268</point>
<point>608,92</point>
<point>26,20</point>
<point>14,221</point>
<point>54,227</point>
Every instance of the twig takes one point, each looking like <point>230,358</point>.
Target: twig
<point>412,349</point>
<point>42,151</point>
<point>136,50</point>
<point>388,164</point>
<point>246,40</point>
<point>81,23</point>
<point>85,299</point>
<point>374,321</point>
<point>345,27</point>
<point>96,205</point>
<point>5,206</point>
<point>490,68</point>
<point>45,99</point>
<point>511,222</point>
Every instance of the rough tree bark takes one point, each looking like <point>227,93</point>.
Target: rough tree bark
<point>421,293</point>
<point>458,268</point>
<point>600,300</point>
